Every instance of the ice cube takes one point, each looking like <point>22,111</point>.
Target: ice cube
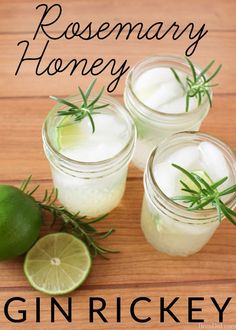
<point>168,177</point>
<point>213,162</point>
<point>157,86</point>
<point>104,123</point>
<point>152,78</point>
<point>178,105</point>
<point>166,92</point>
<point>187,157</point>
<point>109,138</point>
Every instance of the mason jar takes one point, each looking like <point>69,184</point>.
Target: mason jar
<point>92,188</point>
<point>168,226</point>
<point>152,125</point>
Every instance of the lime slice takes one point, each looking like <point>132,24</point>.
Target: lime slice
<point>57,264</point>
<point>200,173</point>
<point>69,133</point>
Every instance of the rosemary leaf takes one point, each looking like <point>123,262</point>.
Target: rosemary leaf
<point>194,74</point>
<point>178,78</point>
<point>191,177</point>
<point>65,102</point>
<point>85,109</point>
<point>214,74</point>
<point>204,71</point>
<point>80,226</point>
<point>219,182</point>
<point>207,194</point>
<point>229,190</point>
<point>197,84</point>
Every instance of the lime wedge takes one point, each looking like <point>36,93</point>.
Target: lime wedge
<point>69,133</point>
<point>200,173</point>
<point>57,264</point>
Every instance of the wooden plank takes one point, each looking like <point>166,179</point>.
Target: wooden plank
<point>80,303</point>
<point>135,50</point>
<point>138,262</point>
<point>138,270</point>
<point>21,145</point>
<point>183,12</point>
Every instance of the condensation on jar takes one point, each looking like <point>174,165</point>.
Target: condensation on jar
<point>170,227</point>
<point>160,112</point>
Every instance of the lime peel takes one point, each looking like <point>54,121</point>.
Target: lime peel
<point>69,133</point>
<point>20,222</point>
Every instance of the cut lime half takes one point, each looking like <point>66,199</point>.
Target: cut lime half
<point>57,264</point>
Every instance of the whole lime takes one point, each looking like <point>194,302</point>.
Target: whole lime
<point>20,221</point>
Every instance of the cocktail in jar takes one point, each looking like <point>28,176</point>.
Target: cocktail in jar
<point>166,95</point>
<point>190,185</point>
<point>89,142</point>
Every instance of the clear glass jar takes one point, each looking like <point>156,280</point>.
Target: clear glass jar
<point>154,126</point>
<point>91,188</point>
<point>170,227</point>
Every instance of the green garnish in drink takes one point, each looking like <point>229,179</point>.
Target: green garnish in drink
<point>198,85</point>
<point>202,193</point>
<point>85,109</point>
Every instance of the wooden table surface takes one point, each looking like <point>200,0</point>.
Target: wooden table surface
<point>138,270</point>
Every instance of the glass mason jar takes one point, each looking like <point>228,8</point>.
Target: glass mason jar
<point>170,227</point>
<point>153,126</point>
<point>91,188</point>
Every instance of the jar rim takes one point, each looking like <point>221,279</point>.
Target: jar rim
<point>180,210</point>
<point>126,149</point>
<point>175,58</point>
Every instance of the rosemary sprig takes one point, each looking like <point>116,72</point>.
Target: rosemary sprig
<point>80,226</point>
<point>205,194</point>
<point>198,85</point>
<point>86,108</point>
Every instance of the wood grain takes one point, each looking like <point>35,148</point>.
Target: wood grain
<point>138,270</point>
<point>214,262</point>
<point>183,12</point>
<point>135,50</point>
<point>143,309</point>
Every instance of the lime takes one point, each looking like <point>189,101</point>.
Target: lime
<point>20,221</point>
<point>69,133</point>
<point>57,264</point>
<point>200,173</point>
